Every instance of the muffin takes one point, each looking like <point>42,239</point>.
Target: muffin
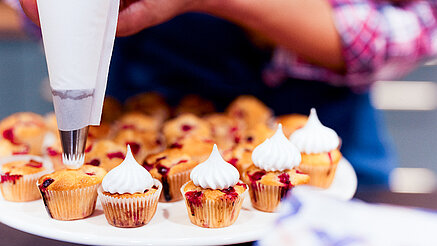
<point>185,125</point>
<point>273,172</point>
<point>194,104</point>
<point>52,149</point>
<point>112,110</point>
<point>135,121</point>
<point>249,110</point>
<point>129,195</point>
<point>99,132</point>
<point>24,128</point>
<point>71,194</point>
<point>105,154</point>
<point>257,134</point>
<point>172,167</point>
<point>291,122</point>
<point>197,148</point>
<point>226,131</point>
<point>19,175</point>
<point>214,195</point>
<point>241,157</point>
<point>7,148</point>
<point>319,146</point>
<point>142,143</point>
<point>149,103</point>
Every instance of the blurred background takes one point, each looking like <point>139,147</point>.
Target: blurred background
<point>409,106</point>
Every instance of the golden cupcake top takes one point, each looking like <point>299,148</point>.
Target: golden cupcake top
<point>136,121</point>
<point>68,179</point>
<point>287,178</point>
<point>185,125</point>
<point>250,110</point>
<point>291,122</point>
<point>105,153</point>
<point>322,159</point>
<point>23,167</point>
<point>149,103</point>
<point>194,104</point>
<point>169,162</point>
<point>195,194</point>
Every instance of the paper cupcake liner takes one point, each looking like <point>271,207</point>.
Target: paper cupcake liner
<point>320,176</point>
<point>214,213</point>
<point>267,197</point>
<point>70,204</point>
<point>130,212</point>
<point>24,188</point>
<point>171,186</point>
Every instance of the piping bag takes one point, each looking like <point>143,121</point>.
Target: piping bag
<point>78,37</point>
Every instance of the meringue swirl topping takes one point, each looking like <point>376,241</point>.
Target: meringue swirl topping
<point>276,153</point>
<point>215,173</point>
<point>128,177</point>
<point>315,137</point>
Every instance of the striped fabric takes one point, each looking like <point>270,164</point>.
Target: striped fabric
<point>380,41</point>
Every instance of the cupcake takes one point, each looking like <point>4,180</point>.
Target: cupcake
<point>172,167</point>
<point>105,154</point>
<point>273,172</point>
<point>129,195</point>
<point>291,122</point>
<point>71,194</point>
<point>7,148</point>
<point>24,128</point>
<point>112,110</point>
<point>52,149</point>
<point>197,148</point>
<point>214,195</point>
<point>226,131</point>
<point>194,104</point>
<point>257,134</point>
<point>185,125</point>
<point>135,121</point>
<point>19,175</point>
<point>142,143</point>
<point>249,110</point>
<point>241,157</point>
<point>319,146</point>
<point>149,103</point>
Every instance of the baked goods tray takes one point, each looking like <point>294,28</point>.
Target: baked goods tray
<point>169,226</point>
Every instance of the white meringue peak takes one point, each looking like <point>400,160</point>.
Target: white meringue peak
<point>276,153</point>
<point>128,177</point>
<point>314,137</point>
<point>215,173</point>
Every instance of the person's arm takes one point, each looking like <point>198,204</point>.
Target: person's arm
<point>303,26</point>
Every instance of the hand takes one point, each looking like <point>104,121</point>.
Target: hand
<point>135,15</point>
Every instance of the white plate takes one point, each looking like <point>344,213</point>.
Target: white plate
<point>169,226</point>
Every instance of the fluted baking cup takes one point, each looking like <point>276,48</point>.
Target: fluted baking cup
<point>70,204</point>
<point>266,197</point>
<point>320,176</point>
<point>214,213</point>
<point>130,212</point>
<point>23,189</point>
<point>171,186</point>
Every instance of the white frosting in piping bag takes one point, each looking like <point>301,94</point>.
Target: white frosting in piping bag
<point>276,153</point>
<point>128,177</point>
<point>215,173</point>
<point>315,137</point>
<point>78,37</point>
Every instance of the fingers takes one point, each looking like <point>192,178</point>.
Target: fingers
<point>31,10</point>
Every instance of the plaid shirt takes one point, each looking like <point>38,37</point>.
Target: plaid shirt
<point>380,41</point>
